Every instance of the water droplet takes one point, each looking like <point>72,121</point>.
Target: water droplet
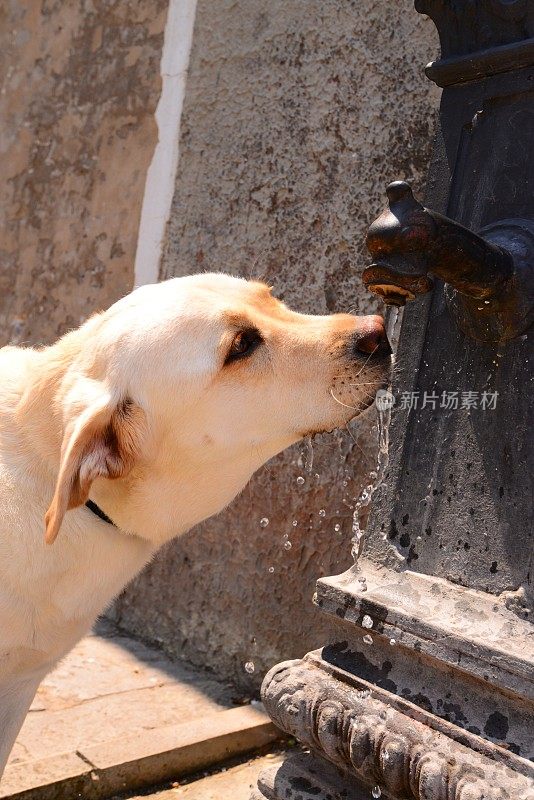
<point>367,622</point>
<point>368,639</point>
<point>337,527</point>
<point>392,642</point>
<point>376,791</point>
<point>385,755</point>
<point>362,584</point>
<point>295,523</point>
<point>249,667</point>
<point>264,521</point>
<point>300,480</point>
<point>287,545</point>
<point>322,512</point>
<point>345,483</point>
<point>271,569</point>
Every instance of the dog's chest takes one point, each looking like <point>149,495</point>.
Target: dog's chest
<point>51,595</point>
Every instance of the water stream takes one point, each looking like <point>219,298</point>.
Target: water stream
<point>376,478</point>
<point>384,404</point>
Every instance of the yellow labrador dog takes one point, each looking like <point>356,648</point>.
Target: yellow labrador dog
<point>131,429</point>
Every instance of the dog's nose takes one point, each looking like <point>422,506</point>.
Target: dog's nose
<point>370,339</point>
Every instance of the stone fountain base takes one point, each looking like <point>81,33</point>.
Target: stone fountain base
<point>432,702</point>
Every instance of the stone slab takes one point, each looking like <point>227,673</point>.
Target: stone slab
<point>108,686</point>
<point>472,630</point>
<point>141,759</point>
<point>117,714</point>
<point>235,783</point>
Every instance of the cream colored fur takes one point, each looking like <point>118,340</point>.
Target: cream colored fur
<point>138,410</point>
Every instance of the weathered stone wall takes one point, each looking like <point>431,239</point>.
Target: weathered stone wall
<point>297,114</point>
<point>80,83</point>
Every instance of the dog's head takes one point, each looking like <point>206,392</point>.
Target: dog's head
<point>181,390</point>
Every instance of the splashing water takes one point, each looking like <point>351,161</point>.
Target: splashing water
<point>377,477</point>
<point>393,328</point>
<point>306,454</point>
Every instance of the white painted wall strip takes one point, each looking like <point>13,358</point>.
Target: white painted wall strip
<point>161,174</point>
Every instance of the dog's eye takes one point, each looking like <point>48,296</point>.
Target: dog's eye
<point>244,344</point>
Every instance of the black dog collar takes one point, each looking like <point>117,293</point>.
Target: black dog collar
<point>99,513</point>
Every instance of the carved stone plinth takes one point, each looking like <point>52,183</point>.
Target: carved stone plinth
<point>428,692</point>
<point>380,743</point>
<point>433,702</point>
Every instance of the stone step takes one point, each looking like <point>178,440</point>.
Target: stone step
<point>117,714</point>
<point>141,759</point>
<point>235,783</point>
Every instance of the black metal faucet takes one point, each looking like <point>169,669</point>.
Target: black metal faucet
<point>489,276</point>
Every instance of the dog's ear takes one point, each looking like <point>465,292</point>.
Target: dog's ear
<point>104,441</point>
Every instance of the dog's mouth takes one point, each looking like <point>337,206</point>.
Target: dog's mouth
<point>354,404</point>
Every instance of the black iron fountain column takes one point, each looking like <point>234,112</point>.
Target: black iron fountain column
<point>429,692</point>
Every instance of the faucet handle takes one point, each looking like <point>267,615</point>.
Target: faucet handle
<point>489,276</point>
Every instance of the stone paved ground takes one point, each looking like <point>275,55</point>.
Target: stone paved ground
<point>111,685</point>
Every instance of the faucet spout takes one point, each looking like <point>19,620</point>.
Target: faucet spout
<point>488,276</point>
<point>408,241</point>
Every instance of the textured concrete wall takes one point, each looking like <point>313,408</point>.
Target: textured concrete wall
<point>297,114</point>
<point>80,82</point>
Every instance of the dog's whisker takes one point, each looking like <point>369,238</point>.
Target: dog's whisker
<point>355,408</point>
<point>354,440</point>
<point>366,362</point>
